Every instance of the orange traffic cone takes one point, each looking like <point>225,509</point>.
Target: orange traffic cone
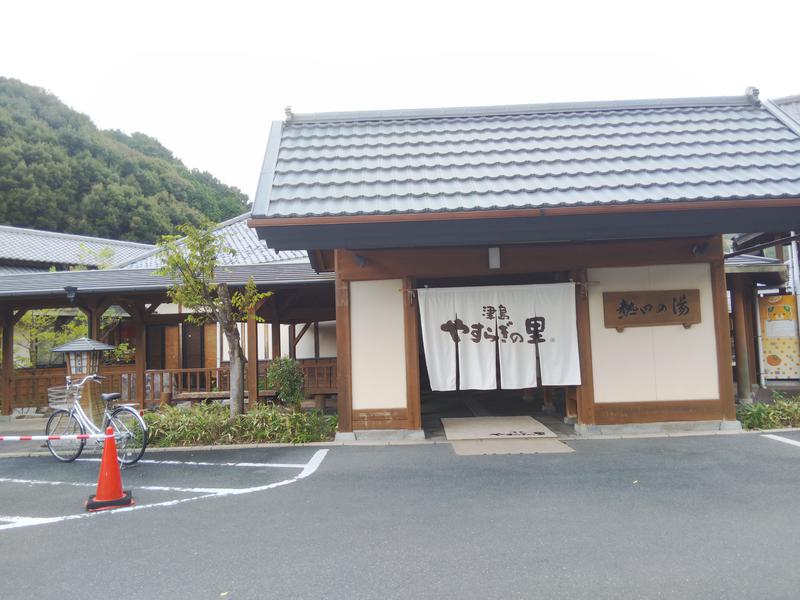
<point>109,484</point>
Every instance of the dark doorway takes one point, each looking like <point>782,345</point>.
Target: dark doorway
<point>193,355</point>
<point>156,347</point>
<point>499,402</point>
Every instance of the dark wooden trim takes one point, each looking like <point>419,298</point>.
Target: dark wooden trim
<point>585,392</point>
<point>603,209</point>
<point>7,366</point>
<point>316,339</point>
<point>739,289</point>
<point>292,341</point>
<point>275,335</point>
<point>343,355</point>
<point>621,413</point>
<point>722,329</point>
<point>252,357</point>
<point>391,418</point>
<point>140,363</point>
<point>473,261</point>
<point>411,338</point>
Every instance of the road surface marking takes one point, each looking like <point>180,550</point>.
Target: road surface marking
<point>779,438</point>
<point>308,469</point>
<point>194,463</point>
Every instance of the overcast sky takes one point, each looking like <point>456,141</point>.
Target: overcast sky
<point>206,78</point>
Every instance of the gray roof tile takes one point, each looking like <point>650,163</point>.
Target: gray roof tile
<point>528,156</point>
<point>249,250</point>
<point>51,248</point>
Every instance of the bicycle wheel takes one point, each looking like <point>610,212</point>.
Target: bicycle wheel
<point>63,422</point>
<point>130,434</point>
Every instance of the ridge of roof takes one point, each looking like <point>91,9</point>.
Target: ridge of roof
<point>513,109</point>
<point>73,236</point>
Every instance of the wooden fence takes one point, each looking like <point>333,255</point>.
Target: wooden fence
<point>29,386</point>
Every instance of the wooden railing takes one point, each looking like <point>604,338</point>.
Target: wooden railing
<point>177,383</point>
<point>29,386</point>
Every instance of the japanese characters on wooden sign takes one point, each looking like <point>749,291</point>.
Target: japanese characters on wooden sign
<point>644,309</point>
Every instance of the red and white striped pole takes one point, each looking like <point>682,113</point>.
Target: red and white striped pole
<point>45,438</point>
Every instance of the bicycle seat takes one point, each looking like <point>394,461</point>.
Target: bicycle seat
<point>111,397</point>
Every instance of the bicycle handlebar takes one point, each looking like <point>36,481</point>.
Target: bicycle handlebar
<point>92,377</point>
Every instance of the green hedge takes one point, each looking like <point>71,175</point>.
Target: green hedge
<point>784,412</point>
<point>210,424</point>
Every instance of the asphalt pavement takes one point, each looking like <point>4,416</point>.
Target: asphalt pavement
<point>683,517</point>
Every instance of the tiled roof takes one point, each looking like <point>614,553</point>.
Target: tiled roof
<point>143,279</point>
<point>790,105</point>
<point>51,248</point>
<point>237,235</point>
<point>528,156</point>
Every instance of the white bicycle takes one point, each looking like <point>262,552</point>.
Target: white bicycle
<point>130,430</point>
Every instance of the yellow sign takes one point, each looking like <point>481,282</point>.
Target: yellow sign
<point>779,341</point>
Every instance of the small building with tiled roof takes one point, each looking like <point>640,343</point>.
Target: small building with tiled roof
<point>444,211</point>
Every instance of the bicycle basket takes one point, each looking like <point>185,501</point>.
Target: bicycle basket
<point>58,397</point>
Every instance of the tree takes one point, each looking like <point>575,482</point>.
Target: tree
<point>190,260</point>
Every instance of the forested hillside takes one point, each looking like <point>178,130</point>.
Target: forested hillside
<point>61,173</point>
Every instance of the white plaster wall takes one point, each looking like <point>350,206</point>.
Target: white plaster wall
<point>377,344</point>
<point>665,362</point>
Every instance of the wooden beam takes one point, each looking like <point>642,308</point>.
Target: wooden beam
<point>252,358</point>
<point>740,334</point>
<point>7,367</point>
<point>601,209</point>
<point>302,332</point>
<point>411,338</point>
<point>473,261</point>
<point>140,358</point>
<point>316,339</point>
<point>723,336</point>
<point>585,391</point>
<point>343,359</point>
<point>275,332</point>
<point>292,341</point>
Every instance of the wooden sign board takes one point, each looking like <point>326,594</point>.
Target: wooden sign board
<point>645,309</point>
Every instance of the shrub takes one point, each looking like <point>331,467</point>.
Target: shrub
<point>286,377</point>
<point>209,424</point>
<point>784,412</point>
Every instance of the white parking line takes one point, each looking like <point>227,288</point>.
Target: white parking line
<point>779,438</point>
<point>194,463</point>
<point>14,522</point>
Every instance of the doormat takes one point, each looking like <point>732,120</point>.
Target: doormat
<point>494,428</point>
<point>510,446</point>
<point>472,436</point>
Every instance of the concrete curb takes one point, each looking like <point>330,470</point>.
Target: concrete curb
<point>427,442</point>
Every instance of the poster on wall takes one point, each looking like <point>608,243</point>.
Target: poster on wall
<point>779,338</point>
<point>483,328</point>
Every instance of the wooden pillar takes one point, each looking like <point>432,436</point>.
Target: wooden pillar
<point>275,331</point>
<point>345,402</point>
<point>316,339</point>
<point>140,358</point>
<point>7,369</point>
<point>411,335</point>
<point>740,336</point>
<point>585,391</point>
<point>723,334</point>
<point>292,340</point>
<point>252,358</point>
<point>92,319</point>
